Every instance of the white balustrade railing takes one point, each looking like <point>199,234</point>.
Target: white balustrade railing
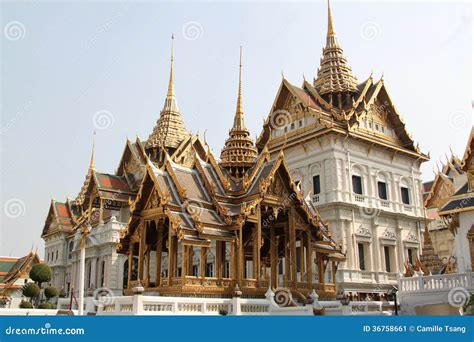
<point>440,282</point>
<point>139,304</point>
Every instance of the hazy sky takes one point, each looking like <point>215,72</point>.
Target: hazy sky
<point>71,68</point>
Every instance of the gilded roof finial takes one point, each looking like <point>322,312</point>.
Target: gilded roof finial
<point>239,120</point>
<point>92,162</point>
<point>171,82</point>
<point>239,151</point>
<point>334,74</point>
<point>169,130</point>
<point>331,32</point>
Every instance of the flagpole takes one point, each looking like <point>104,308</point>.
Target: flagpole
<point>82,262</point>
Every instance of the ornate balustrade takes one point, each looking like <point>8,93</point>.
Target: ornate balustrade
<point>441,282</point>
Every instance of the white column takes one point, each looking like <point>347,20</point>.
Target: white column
<point>81,279</point>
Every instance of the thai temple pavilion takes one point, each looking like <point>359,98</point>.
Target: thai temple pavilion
<point>205,226</point>
<point>185,222</point>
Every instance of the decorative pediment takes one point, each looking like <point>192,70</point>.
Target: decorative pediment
<point>364,232</point>
<point>389,234</point>
<point>412,238</point>
<point>153,200</point>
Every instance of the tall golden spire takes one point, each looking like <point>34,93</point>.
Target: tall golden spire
<point>171,81</point>
<point>170,130</point>
<point>330,22</point>
<point>239,152</point>
<point>92,162</point>
<point>239,113</point>
<point>334,74</point>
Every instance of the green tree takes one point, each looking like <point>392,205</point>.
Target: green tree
<point>24,304</point>
<point>51,292</point>
<point>45,306</point>
<point>40,273</point>
<point>30,290</point>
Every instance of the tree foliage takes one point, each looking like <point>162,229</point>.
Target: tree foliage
<point>40,273</point>
<point>51,292</point>
<point>31,290</point>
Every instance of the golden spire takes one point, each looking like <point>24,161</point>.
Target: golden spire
<point>331,32</point>
<point>239,112</point>
<point>239,152</point>
<point>171,81</point>
<point>170,130</point>
<point>92,162</point>
<point>334,74</point>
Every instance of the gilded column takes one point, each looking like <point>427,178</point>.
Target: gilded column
<point>159,251</point>
<point>141,249</point>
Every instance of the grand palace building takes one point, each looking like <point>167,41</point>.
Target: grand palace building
<point>329,198</point>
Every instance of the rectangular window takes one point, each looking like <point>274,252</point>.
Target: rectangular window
<point>357,184</point>
<point>195,271</point>
<point>316,185</point>
<point>382,190</point>
<point>405,195</point>
<point>209,270</point>
<point>361,256</point>
<point>292,126</point>
<point>178,272</point>
<point>227,270</point>
<point>386,251</point>
<point>301,123</point>
<point>410,256</point>
<point>280,266</point>
<point>298,259</point>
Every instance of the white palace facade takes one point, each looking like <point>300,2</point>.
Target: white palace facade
<point>348,147</point>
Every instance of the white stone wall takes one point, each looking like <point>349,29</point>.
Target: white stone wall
<point>100,253</point>
<point>463,254</point>
<point>363,218</point>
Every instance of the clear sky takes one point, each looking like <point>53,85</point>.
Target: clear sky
<point>71,68</point>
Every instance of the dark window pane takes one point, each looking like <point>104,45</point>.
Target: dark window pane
<point>316,185</point>
<point>361,256</point>
<point>410,256</point>
<point>382,190</point>
<point>357,184</point>
<point>405,195</point>
<point>298,260</point>
<point>386,250</point>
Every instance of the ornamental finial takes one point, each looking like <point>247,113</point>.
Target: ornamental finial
<point>92,162</point>
<point>171,82</point>
<point>331,32</point>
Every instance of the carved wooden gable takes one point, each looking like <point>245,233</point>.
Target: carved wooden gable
<point>153,200</point>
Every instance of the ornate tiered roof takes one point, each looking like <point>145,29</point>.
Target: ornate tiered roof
<point>170,130</point>
<point>203,205</point>
<point>239,152</point>
<point>334,74</point>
